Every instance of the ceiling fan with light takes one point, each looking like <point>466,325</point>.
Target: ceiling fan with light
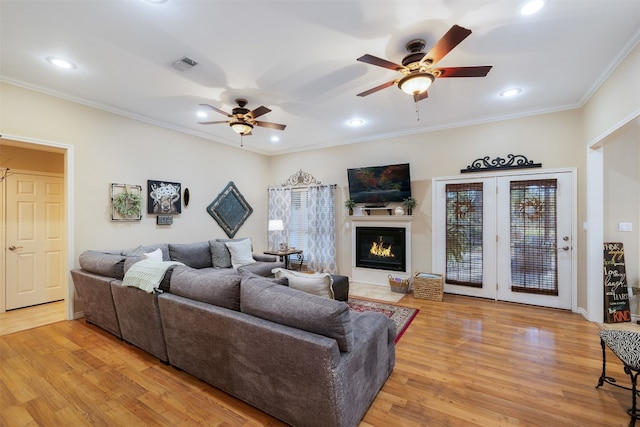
<point>417,67</point>
<point>241,120</point>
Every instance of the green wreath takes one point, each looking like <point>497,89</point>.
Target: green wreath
<point>128,204</point>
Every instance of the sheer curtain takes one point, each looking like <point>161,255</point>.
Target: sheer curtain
<point>322,229</point>
<point>279,208</point>
<point>320,233</point>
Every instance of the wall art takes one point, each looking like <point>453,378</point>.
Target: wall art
<point>126,202</point>
<point>230,209</point>
<point>163,197</point>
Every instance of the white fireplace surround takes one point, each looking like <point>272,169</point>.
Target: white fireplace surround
<point>374,276</point>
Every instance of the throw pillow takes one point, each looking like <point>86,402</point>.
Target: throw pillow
<point>220,256</point>
<point>314,283</point>
<point>240,253</point>
<point>155,255</point>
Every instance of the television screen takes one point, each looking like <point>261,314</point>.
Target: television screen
<point>379,185</point>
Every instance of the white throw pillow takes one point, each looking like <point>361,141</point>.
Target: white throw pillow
<point>313,283</point>
<point>240,252</point>
<point>154,256</point>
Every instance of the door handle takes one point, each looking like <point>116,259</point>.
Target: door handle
<point>13,248</point>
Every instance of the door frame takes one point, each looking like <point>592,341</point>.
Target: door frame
<point>435,241</point>
<point>36,144</point>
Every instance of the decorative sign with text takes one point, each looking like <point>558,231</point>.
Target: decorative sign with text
<point>616,295</point>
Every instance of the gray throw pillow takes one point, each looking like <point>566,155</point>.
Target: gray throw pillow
<point>207,286</point>
<point>220,255</point>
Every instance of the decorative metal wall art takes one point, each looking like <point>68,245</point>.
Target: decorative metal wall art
<point>163,197</point>
<point>513,161</point>
<point>126,202</point>
<point>230,209</point>
<point>301,179</point>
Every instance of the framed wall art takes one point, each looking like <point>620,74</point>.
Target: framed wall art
<point>163,197</point>
<point>126,202</point>
<point>230,209</point>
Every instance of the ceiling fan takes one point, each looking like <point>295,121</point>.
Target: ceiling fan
<point>242,120</point>
<point>417,67</point>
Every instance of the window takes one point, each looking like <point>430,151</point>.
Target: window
<point>298,219</point>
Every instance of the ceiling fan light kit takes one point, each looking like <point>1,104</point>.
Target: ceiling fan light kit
<point>417,66</point>
<point>241,128</point>
<point>415,83</point>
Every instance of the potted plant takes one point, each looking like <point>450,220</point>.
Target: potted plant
<point>350,204</point>
<point>409,203</point>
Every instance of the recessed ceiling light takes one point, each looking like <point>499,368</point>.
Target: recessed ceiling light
<point>508,93</point>
<point>531,7</point>
<point>201,114</point>
<point>275,138</point>
<point>157,1</point>
<point>356,122</point>
<point>61,63</point>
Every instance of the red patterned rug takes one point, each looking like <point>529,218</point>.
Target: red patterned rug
<point>402,316</point>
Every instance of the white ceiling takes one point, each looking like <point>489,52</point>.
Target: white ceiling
<point>298,58</point>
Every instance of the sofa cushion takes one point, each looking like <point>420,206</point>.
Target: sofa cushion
<point>137,252</point>
<point>220,256</point>
<point>261,268</point>
<point>260,297</point>
<point>240,253</point>
<point>313,283</point>
<point>209,286</point>
<point>195,255</point>
<point>104,264</point>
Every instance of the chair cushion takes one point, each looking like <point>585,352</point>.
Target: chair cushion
<point>625,345</point>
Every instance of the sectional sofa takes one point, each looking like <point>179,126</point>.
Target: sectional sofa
<point>305,359</point>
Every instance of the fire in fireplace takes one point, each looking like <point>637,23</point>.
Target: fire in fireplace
<point>381,248</point>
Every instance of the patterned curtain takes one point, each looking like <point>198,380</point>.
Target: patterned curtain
<point>321,252</point>
<point>279,208</point>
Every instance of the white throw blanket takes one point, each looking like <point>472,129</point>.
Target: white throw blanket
<point>147,274</point>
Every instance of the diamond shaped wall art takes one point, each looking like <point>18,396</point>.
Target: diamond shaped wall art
<point>230,209</point>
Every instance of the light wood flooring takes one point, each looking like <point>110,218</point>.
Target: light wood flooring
<point>462,362</point>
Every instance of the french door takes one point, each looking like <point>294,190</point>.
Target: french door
<point>507,237</point>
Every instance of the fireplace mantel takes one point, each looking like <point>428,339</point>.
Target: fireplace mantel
<point>389,218</point>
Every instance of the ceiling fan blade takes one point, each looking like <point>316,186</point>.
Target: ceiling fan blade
<point>377,88</point>
<point>420,96</point>
<point>451,39</point>
<point>213,123</point>
<point>216,109</point>
<point>374,60</point>
<point>270,125</point>
<point>479,71</point>
<point>259,111</point>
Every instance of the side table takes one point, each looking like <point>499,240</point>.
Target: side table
<point>284,256</point>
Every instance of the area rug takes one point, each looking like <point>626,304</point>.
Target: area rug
<point>402,316</point>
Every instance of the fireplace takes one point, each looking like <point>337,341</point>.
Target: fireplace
<point>381,248</point>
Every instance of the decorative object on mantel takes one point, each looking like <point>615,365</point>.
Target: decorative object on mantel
<point>399,211</point>
<point>163,197</point>
<point>409,203</point>
<point>350,204</point>
<point>513,161</point>
<point>301,179</point>
<point>126,202</point>
<point>230,209</point>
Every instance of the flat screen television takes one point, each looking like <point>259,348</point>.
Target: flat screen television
<point>379,185</point>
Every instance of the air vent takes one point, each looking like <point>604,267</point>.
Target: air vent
<point>184,63</point>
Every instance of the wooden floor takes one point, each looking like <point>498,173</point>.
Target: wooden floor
<point>463,362</point>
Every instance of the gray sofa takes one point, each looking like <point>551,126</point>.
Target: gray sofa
<point>305,359</point>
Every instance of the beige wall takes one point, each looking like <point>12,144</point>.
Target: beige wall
<point>25,159</point>
<point>551,139</point>
<point>108,148</point>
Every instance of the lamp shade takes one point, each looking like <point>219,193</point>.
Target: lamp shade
<point>241,127</point>
<point>415,83</point>
<point>275,225</point>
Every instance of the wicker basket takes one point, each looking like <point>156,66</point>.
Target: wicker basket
<point>428,286</point>
<point>402,286</point>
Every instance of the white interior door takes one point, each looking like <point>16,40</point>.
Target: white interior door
<point>507,237</point>
<point>35,266</point>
